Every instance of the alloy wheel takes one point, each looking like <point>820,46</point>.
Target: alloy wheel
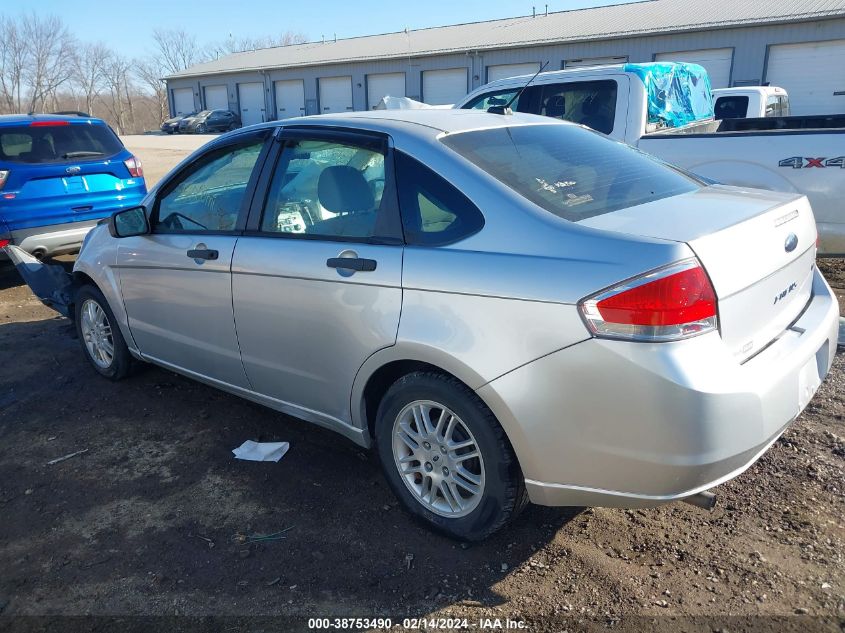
<point>438,458</point>
<point>96,332</point>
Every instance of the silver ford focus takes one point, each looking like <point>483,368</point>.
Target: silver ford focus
<point>506,307</point>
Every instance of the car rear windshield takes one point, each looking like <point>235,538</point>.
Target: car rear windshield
<point>57,143</point>
<point>569,171</point>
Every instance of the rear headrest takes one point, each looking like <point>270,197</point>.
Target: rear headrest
<point>343,189</point>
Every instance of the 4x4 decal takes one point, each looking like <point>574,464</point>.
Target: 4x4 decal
<point>803,162</point>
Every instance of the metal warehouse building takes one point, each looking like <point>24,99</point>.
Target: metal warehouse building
<point>796,44</point>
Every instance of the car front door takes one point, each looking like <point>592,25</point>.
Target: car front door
<point>176,281</point>
<point>316,279</point>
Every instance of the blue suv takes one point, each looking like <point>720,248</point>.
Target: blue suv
<point>60,175</point>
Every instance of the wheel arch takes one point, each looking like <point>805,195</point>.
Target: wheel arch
<point>386,366</point>
<point>104,279</point>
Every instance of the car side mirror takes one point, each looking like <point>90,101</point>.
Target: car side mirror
<point>129,222</point>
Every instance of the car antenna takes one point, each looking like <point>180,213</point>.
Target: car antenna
<point>506,109</point>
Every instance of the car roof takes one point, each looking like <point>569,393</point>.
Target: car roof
<point>437,119</point>
<point>18,119</point>
<point>552,75</point>
<point>765,90</point>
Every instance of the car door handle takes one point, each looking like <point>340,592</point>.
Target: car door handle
<point>352,263</point>
<point>203,253</point>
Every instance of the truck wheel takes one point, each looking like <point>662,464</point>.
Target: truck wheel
<point>446,457</point>
<point>100,335</point>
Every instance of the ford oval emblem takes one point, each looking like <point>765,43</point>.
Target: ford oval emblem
<point>73,170</point>
<point>791,242</point>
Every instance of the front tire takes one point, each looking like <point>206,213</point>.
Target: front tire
<point>101,338</point>
<point>446,457</point>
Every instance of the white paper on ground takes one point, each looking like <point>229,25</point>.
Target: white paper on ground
<point>261,451</point>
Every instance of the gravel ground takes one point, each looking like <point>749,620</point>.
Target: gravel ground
<point>155,516</point>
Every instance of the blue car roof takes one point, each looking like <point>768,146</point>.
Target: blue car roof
<point>18,119</point>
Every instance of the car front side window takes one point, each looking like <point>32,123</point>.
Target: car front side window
<point>209,196</point>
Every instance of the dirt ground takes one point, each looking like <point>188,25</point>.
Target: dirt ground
<point>155,516</point>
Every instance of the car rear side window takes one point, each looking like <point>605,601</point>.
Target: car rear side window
<point>57,143</point>
<point>569,171</point>
<point>433,211</point>
<point>731,107</point>
<point>329,189</point>
<point>590,103</point>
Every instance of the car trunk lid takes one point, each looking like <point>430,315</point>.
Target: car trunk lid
<point>757,247</point>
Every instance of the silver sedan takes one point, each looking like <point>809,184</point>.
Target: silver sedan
<point>506,307</point>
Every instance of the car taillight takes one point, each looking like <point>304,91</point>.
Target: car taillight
<point>4,243</point>
<point>48,123</point>
<point>4,176</point>
<point>134,166</point>
<point>668,304</point>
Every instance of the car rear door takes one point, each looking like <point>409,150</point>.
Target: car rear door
<point>316,279</point>
<point>176,281</point>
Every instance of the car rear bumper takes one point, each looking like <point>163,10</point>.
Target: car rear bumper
<point>625,424</point>
<point>56,239</point>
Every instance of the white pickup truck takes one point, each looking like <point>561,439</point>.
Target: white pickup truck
<point>750,102</point>
<point>797,154</point>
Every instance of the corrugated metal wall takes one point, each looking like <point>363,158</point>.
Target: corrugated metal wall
<point>750,46</point>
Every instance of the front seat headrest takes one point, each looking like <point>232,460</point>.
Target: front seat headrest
<point>343,189</point>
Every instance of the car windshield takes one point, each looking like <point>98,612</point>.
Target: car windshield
<point>569,171</point>
<point>56,143</point>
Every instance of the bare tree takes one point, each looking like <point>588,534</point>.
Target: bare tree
<point>48,61</point>
<point>89,72</point>
<point>177,50</point>
<point>13,59</point>
<point>150,74</point>
<point>241,44</point>
<point>116,75</point>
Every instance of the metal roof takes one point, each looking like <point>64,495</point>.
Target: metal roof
<point>622,20</point>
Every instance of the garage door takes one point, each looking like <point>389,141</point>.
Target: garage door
<point>335,94</point>
<point>503,71</point>
<point>251,100</point>
<point>811,73</point>
<point>290,98</point>
<point>442,87</point>
<point>384,85</point>
<point>716,61</point>
<point>594,61</point>
<point>183,101</point>
<point>216,98</point>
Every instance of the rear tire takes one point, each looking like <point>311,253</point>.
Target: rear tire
<point>100,336</point>
<point>446,457</point>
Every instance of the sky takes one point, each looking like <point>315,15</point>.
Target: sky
<point>126,27</point>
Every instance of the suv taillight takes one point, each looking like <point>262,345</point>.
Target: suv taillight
<point>133,164</point>
<point>667,304</point>
<point>4,176</point>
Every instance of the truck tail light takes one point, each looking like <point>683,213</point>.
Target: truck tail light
<point>134,166</point>
<point>667,304</point>
<point>4,176</point>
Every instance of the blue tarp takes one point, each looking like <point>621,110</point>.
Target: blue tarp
<point>678,93</point>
